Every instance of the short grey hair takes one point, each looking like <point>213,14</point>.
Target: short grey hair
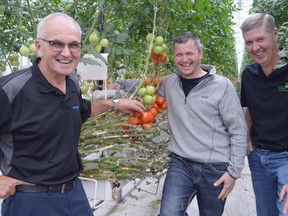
<point>57,15</point>
<point>258,20</point>
<point>184,37</point>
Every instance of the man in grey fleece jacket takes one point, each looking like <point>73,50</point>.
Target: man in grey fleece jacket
<point>207,132</point>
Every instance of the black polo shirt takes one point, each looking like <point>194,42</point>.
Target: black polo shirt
<point>267,100</point>
<point>40,128</point>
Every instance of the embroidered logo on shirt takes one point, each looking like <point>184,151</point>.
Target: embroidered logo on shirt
<point>76,108</point>
<point>283,88</point>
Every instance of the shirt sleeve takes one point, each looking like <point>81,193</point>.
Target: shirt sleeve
<point>85,109</point>
<point>5,110</point>
<point>233,118</point>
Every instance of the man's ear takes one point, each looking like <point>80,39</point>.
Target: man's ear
<point>201,52</point>
<point>38,47</point>
<point>276,34</point>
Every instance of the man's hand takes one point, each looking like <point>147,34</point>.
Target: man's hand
<point>228,182</point>
<point>128,106</point>
<point>250,146</point>
<point>284,192</point>
<point>249,125</point>
<point>7,186</point>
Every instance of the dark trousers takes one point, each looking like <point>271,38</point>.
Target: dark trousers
<point>71,203</point>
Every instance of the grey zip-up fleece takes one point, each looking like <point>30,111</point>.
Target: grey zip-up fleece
<point>207,126</point>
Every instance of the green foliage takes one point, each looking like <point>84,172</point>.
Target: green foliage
<point>125,23</point>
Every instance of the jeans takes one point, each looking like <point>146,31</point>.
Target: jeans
<point>269,171</point>
<point>185,179</point>
<point>71,203</point>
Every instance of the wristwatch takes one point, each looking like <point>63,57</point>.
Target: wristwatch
<point>116,100</point>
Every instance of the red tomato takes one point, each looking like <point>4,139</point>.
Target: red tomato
<point>154,105</point>
<point>164,106</point>
<point>154,56</point>
<point>147,81</point>
<point>125,125</point>
<point>155,62</point>
<point>137,114</point>
<point>157,82</point>
<point>163,57</point>
<point>153,111</point>
<point>132,120</point>
<point>146,126</point>
<point>140,121</point>
<point>147,117</point>
<point>160,101</point>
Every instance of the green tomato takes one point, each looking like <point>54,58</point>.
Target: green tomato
<point>93,37</point>
<point>149,37</point>
<point>142,92</point>
<point>32,48</point>
<point>14,69</point>
<point>15,63</point>
<point>157,49</point>
<point>164,47</point>
<point>24,51</point>
<point>150,90</point>
<point>22,29</point>
<point>159,40</point>
<point>2,68</point>
<point>84,88</point>
<point>15,56</point>
<point>10,58</point>
<point>148,100</point>
<point>98,48</point>
<point>104,42</point>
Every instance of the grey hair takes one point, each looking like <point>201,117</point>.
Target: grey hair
<point>184,37</point>
<point>57,15</point>
<point>257,20</point>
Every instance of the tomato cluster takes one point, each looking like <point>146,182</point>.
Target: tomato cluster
<point>159,49</point>
<point>153,102</point>
<point>156,81</point>
<point>100,43</point>
<point>148,118</point>
<point>156,58</point>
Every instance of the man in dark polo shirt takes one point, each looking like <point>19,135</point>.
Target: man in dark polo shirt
<point>264,96</point>
<point>41,114</point>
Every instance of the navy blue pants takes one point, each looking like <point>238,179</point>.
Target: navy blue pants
<point>71,203</point>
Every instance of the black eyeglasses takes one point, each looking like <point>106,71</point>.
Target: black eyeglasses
<point>58,46</point>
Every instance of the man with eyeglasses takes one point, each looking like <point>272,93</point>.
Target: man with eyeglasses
<point>41,116</point>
